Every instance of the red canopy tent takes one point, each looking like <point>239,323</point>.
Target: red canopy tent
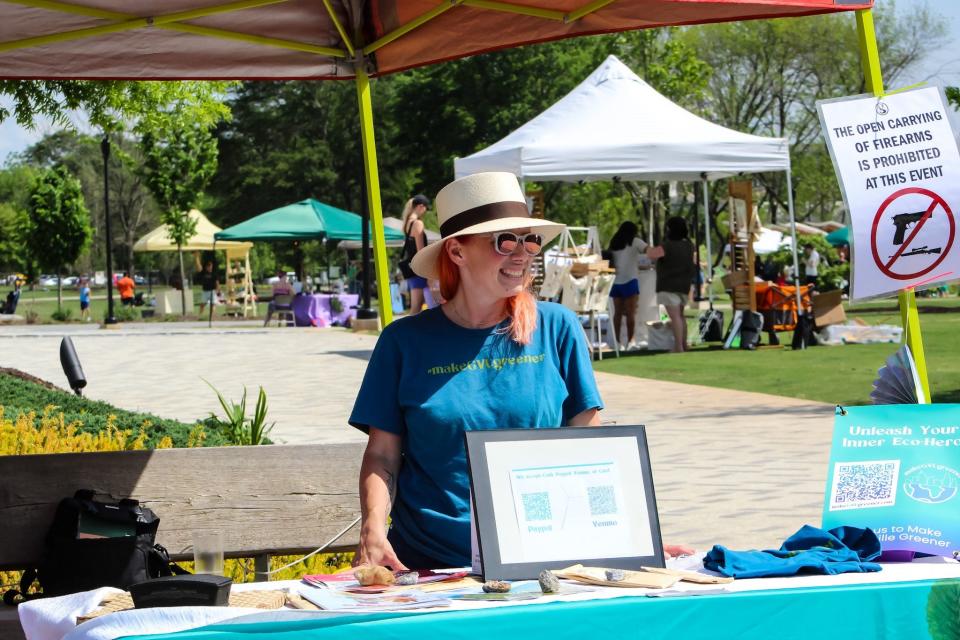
<point>326,39</point>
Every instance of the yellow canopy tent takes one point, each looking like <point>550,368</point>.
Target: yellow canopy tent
<point>239,285</point>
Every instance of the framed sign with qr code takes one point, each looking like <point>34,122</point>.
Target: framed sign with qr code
<point>551,498</point>
<point>896,469</point>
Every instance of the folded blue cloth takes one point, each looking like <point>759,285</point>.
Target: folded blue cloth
<point>809,550</point>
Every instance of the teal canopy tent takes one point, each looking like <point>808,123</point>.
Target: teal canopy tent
<point>839,237</point>
<point>305,220</point>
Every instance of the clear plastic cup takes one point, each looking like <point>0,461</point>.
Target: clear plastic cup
<point>208,552</point>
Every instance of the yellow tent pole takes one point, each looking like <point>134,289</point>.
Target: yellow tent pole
<point>404,29</point>
<point>870,59</point>
<point>494,5</point>
<point>372,177</point>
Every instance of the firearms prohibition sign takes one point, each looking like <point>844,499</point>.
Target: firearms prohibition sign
<point>909,246</point>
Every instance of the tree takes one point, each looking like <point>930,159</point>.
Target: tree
<point>16,183</point>
<point>58,227</point>
<point>953,96</point>
<point>769,74</point>
<point>178,161</point>
<point>132,208</point>
<point>108,106</point>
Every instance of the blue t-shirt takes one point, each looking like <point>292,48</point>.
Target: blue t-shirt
<point>84,294</point>
<point>429,380</point>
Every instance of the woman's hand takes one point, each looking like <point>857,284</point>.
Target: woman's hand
<point>677,550</point>
<point>375,549</point>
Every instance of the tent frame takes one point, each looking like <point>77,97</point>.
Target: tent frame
<point>870,60</point>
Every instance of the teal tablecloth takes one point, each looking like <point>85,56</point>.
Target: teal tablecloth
<point>920,610</point>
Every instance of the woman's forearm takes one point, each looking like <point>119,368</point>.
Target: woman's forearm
<point>378,486</point>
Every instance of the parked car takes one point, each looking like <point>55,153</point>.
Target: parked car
<point>70,281</point>
<point>47,281</point>
<point>139,279</point>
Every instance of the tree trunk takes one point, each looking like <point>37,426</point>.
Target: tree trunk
<point>59,291</point>
<point>183,283</point>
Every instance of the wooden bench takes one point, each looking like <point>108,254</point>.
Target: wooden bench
<point>266,500</point>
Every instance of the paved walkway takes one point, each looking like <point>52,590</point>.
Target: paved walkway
<point>741,469</point>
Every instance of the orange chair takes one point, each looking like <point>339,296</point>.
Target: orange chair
<point>781,300</point>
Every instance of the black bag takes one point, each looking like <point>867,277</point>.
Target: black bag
<point>803,335</point>
<point>409,250</point>
<point>750,326</point>
<point>711,326</point>
<point>93,544</point>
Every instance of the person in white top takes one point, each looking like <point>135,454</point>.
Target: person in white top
<point>811,264</point>
<point>627,251</point>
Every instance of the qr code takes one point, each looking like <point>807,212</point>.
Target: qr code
<point>602,500</point>
<point>862,485</point>
<point>536,506</point>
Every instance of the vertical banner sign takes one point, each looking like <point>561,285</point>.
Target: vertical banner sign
<point>898,165</point>
<point>896,470</point>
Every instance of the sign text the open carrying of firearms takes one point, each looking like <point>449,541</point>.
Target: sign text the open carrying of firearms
<point>897,161</point>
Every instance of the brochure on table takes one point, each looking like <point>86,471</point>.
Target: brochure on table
<point>896,470</point>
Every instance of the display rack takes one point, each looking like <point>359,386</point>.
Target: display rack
<point>239,296</point>
<point>742,257</point>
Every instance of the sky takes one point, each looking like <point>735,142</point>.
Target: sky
<point>941,65</point>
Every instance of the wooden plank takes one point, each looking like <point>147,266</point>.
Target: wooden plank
<point>10,628</point>
<point>265,499</point>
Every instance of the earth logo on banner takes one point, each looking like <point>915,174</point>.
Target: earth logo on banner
<point>931,483</point>
<point>912,233</point>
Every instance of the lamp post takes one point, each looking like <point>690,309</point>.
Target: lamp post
<point>105,150</point>
<point>364,312</point>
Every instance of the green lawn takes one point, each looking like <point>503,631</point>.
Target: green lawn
<point>841,374</point>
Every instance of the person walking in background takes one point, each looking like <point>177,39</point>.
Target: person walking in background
<point>675,271</point>
<point>125,287</point>
<point>209,285</point>
<point>414,240</point>
<point>626,250</point>
<point>84,288</point>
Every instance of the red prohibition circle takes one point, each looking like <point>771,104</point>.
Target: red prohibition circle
<point>876,223</point>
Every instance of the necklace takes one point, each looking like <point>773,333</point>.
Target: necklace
<point>473,325</point>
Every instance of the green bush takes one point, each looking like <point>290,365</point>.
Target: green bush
<point>124,313</point>
<point>62,315</point>
<point>18,395</point>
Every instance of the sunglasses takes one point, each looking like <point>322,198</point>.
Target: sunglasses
<point>505,242</point>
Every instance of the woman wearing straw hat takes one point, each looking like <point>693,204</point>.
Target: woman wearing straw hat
<point>490,356</point>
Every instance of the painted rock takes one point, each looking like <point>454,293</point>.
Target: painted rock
<point>496,586</point>
<point>407,578</point>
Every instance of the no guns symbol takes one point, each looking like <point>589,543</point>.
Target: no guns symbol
<point>904,242</point>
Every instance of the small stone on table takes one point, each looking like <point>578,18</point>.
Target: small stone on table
<point>616,575</point>
<point>496,586</point>
<point>549,582</point>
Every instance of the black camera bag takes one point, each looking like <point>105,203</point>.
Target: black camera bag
<point>73,562</point>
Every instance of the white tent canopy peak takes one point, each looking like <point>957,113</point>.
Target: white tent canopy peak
<point>613,124</point>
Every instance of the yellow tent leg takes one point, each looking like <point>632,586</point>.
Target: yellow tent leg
<point>870,58</point>
<point>373,195</point>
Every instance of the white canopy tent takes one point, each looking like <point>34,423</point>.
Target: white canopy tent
<point>615,125</point>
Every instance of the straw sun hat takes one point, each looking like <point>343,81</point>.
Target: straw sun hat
<point>480,203</point>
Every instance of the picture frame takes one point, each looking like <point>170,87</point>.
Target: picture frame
<point>552,498</point>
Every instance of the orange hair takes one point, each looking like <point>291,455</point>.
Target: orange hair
<point>521,308</point>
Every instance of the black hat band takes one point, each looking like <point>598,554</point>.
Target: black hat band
<point>483,213</point>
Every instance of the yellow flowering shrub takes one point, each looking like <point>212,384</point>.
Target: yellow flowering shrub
<point>49,432</point>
